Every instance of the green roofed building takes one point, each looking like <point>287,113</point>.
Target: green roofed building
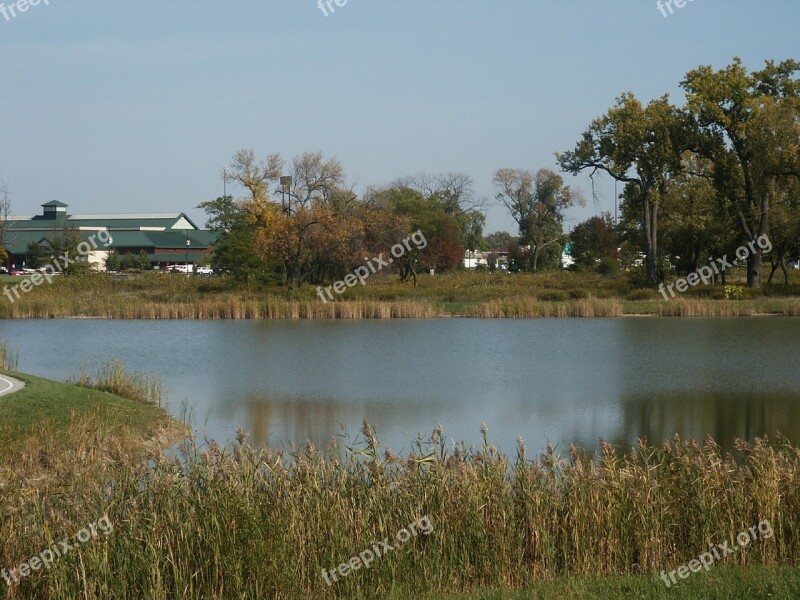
<point>166,238</point>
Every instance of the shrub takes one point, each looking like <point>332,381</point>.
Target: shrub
<point>552,296</point>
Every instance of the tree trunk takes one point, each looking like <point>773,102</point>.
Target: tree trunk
<point>753,268</point>
<point>772,271</point>
<point>650,224</point>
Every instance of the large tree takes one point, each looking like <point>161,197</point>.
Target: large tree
<point>750,130</point>
<point>537,203</point>
<point>640,146</point>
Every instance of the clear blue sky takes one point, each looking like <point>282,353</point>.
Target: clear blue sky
<point>137,106</point>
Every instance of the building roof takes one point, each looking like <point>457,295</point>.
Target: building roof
<point>150,231</point>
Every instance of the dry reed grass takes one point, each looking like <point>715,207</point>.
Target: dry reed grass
<point>223,522</point>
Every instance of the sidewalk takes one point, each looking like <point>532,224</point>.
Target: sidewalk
<point>9,385</point>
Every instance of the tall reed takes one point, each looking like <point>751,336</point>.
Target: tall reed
<point>8,358</point>
<point>243,522</point>
<point>114,377</point>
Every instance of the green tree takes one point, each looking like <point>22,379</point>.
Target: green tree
<point>640,146</point>
<point>36,256</point>
<point>65,243</point>
<point>499,240</point>
<point>749,126</point>
<point>113,261</point>
<point>143,260</point>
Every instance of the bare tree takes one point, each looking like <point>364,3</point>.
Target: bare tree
<point>315,180</point>
<point>454,190</point>
<point>255,176</point>
<point>5,212</point>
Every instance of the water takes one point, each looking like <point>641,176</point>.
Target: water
<point>563,380</point>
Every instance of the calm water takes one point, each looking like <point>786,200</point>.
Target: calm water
<point>562,380</point>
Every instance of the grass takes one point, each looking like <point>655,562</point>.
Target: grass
<point>45,407</point>
<point>720,582</point>
<point>466,294</point>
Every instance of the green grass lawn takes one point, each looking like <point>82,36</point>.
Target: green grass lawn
<point>57,404</point>
<point>719,582</point>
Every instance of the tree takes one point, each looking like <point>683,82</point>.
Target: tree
<point>472,231</point>
<point>64,243</point>
<point>5,212</point>
<point>234,249</point>
<point>256,177</point>
<point>749,125</point>
<point>537,203</point>
<point>36,256</point>
<point>453,190</point>
<point>785,232</point>
<point>499,240</point>
<point>594,240</point>
<point>640,146</point>
<point>113,261</point>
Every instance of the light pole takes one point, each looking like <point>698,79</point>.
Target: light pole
<point>188,243</point>
<point>286,188</point>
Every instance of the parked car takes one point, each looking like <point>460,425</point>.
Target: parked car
<point>17,272</point>
<point>3,271</point>
<point>179,269</point>
<point>204,271</point>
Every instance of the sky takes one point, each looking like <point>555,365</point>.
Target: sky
<point>137,106</point>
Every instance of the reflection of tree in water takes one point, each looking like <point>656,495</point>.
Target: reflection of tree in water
<point>280,420</point>
<point>277,421</point>
<point>724,417</point>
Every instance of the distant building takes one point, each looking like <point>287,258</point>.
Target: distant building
<point>473,260</point>
<point>567,261</point>
<point>166,238</point>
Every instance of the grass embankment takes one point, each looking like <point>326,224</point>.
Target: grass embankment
<point>467,294</point>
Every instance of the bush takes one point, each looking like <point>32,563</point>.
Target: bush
<point>607,266</point>
<point>643,294</point>
<point>578,294</point>
<point>552,296</point>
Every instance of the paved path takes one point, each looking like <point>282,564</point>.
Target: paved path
<point>9,385</point>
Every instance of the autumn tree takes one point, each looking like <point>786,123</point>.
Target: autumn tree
<point>234,248</point>
<point>594,240</point>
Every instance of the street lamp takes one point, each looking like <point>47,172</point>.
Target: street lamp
<point>286,188</point>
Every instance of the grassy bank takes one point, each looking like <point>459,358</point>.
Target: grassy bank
<point>721,582</point>
<point>241,522</point>
<point>464,294</point>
